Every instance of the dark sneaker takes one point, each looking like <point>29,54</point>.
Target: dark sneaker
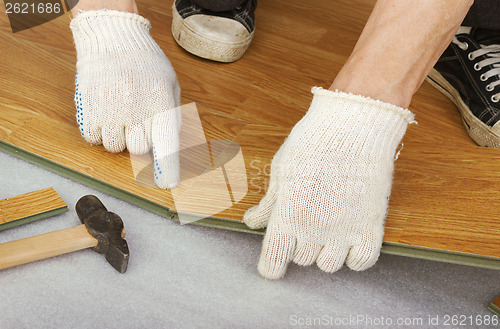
<point>468,73</point>
<point>219,36</point>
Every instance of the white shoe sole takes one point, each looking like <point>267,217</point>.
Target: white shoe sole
<point>480,132</point>
<point>215,38</point>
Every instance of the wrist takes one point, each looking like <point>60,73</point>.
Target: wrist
<point>120,5</point>
<point>361,82</point>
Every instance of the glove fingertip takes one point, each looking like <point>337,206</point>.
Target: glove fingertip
<point>277,252</point>
<point>166,173</point>
<point>253,219</point>
<point>166,181</point>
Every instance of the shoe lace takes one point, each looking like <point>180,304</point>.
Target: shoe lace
<point>492,57</point>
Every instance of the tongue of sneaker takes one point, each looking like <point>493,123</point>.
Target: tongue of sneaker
<point>483,36</point>
<point>464,30</point>
<point>486,37</point>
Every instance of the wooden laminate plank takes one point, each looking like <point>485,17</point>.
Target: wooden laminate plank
<point>29,207</point>
<point>445,186</point>
<point>495,306</point>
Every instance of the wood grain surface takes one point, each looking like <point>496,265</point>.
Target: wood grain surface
<point>446,189</point>
<point>29,204</point>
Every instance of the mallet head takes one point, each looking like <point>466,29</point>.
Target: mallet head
<point>107,228</point>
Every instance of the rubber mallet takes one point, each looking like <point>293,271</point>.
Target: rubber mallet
<point>101,230</point>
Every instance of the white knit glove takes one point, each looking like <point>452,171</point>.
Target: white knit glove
<point>330,184</point>
<point>126,91</point>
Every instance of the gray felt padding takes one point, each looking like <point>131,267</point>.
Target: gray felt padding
<point>185,276</point>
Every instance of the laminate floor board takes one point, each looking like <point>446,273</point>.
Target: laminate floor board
<point>495,306</point>
<point>28,207</point>
<point>445,187</point>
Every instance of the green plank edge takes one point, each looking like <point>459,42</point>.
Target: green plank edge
<point>494,309</point>
<point>235,225</point>
<point>29,219</point>
<point>446,256</point>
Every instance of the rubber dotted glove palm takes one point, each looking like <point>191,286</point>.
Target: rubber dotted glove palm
<point>330,184</point>
<point>126,91</point>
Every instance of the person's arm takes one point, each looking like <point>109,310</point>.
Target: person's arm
<point>331,180</point>
<point>400,43</point>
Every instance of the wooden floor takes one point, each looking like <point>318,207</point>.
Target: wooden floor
<point>446,189</point>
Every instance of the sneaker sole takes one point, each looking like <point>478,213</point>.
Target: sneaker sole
<point>480,132</point>
<point>202,46</point>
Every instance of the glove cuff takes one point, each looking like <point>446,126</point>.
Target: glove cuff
<point>362,101</point>
<point>363,124</point>
<point>110,32</point>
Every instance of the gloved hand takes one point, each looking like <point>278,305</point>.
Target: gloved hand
<point>126,91</point>
<point>330,184</point>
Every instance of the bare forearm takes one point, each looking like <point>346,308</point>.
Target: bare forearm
<point>121,5</point>
<point>400,43</point>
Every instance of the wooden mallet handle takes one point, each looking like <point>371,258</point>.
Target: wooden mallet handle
<point>45,246</point>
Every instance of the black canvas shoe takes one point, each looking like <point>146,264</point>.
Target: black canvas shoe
<point>468,73</point>
<point>219,36</point>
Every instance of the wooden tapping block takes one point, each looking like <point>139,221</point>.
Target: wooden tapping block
<point>101,230</point>
<point>28,207</point>
<point>495,306</point>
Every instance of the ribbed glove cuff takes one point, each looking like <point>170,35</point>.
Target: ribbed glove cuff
<point>362,101</point>
<point>110,32</point>
<point>363,124</point>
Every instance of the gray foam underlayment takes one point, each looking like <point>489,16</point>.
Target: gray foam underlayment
<point>185,276</point>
